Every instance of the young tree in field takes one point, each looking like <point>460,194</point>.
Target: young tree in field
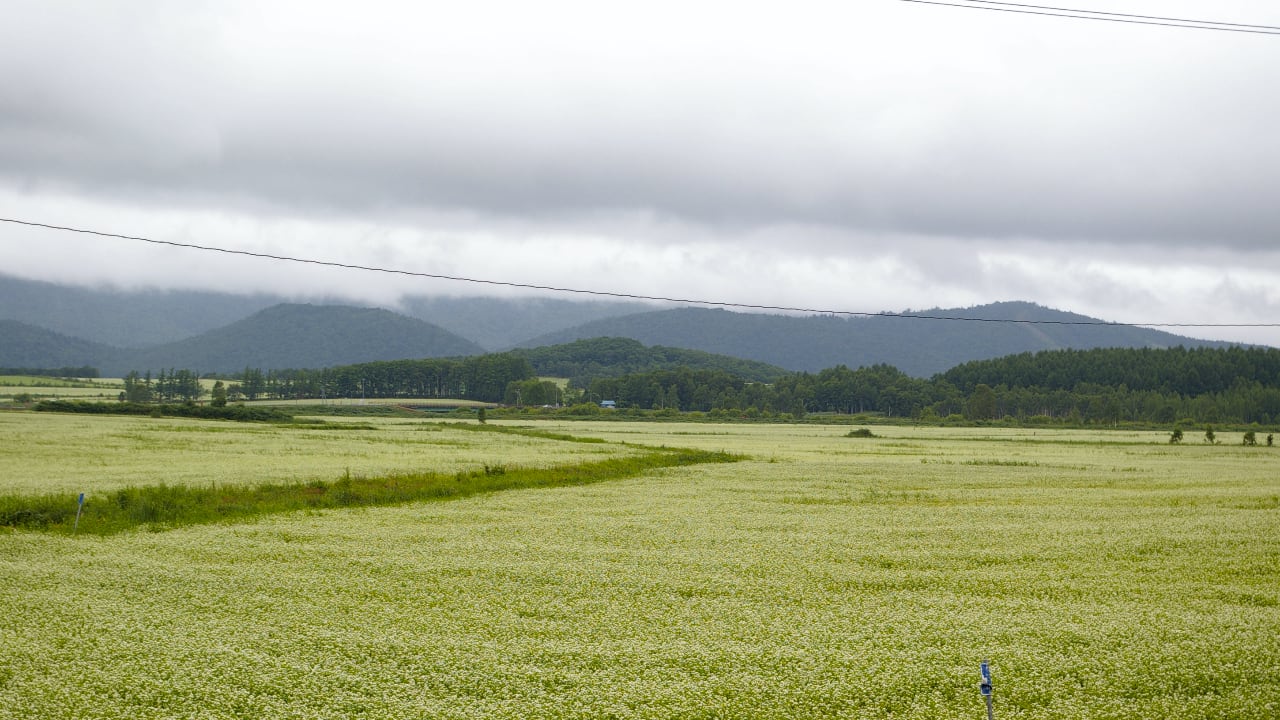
<point>1209,436</point>
<point>1175,437</point>
<point>1250,439</point>
<point>218,398</point>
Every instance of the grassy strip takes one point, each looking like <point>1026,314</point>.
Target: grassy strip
<point>34,381</point>
<point>522,430</point>
<point>370,410</point>
<point>168,506</point>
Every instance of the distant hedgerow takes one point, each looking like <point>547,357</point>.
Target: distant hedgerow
<point>239,413</point>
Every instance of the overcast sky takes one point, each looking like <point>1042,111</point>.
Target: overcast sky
<point>865,156</point>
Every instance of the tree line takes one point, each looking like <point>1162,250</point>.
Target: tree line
<point>1104,386</point>
<point>1184,371</point>
<point>168,386</point>
<point>485,378</point>
<point>1232,385</point>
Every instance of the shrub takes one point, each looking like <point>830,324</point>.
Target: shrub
<point>583,409</point>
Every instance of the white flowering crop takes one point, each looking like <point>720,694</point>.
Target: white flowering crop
<point>49,452</point>
<point>1104,576</point>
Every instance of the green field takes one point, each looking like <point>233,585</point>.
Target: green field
<point>50,388</point>
<point>1105,575</point>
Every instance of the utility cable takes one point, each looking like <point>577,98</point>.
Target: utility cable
<point>1025,9</point>
<point>1124,15</point>
<point>619,295</point>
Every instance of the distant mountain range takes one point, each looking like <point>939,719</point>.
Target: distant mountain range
<point>500,324</point>
<point>47,325</point>
<point>919,346</point>
<point>281,336</point>
<point>309,336</point>
<point>124,319</point>
<point>145,318</point>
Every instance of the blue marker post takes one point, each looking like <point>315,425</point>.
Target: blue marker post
<point>79,509</point>
<point>986,687</point>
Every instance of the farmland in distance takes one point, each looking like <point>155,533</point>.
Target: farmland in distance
<point>1104,574</point>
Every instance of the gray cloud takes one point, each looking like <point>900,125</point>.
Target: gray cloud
<point>1164,140</point>
<point>972,154</point>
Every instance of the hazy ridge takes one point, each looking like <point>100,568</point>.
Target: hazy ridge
<point>917,346</point>
<point>212,332</point>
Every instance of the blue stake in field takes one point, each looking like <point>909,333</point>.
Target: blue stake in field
<point>986,687</point>
<point>79,509</point>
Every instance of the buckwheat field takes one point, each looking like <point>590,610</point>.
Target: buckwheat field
<point>1103,574</point>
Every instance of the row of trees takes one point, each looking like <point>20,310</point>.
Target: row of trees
<point>486,378</point>
<point>169,386</point>
<point>481,377</point>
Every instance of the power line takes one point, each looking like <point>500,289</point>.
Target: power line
<point>620,295</point>
<point>1125,15</point>
<point>1025,9</point>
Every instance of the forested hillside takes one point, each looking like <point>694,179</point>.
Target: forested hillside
<point>502,323</point>
<point>584,360</point>
<point>27,346</point>
<point>289,336</point>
